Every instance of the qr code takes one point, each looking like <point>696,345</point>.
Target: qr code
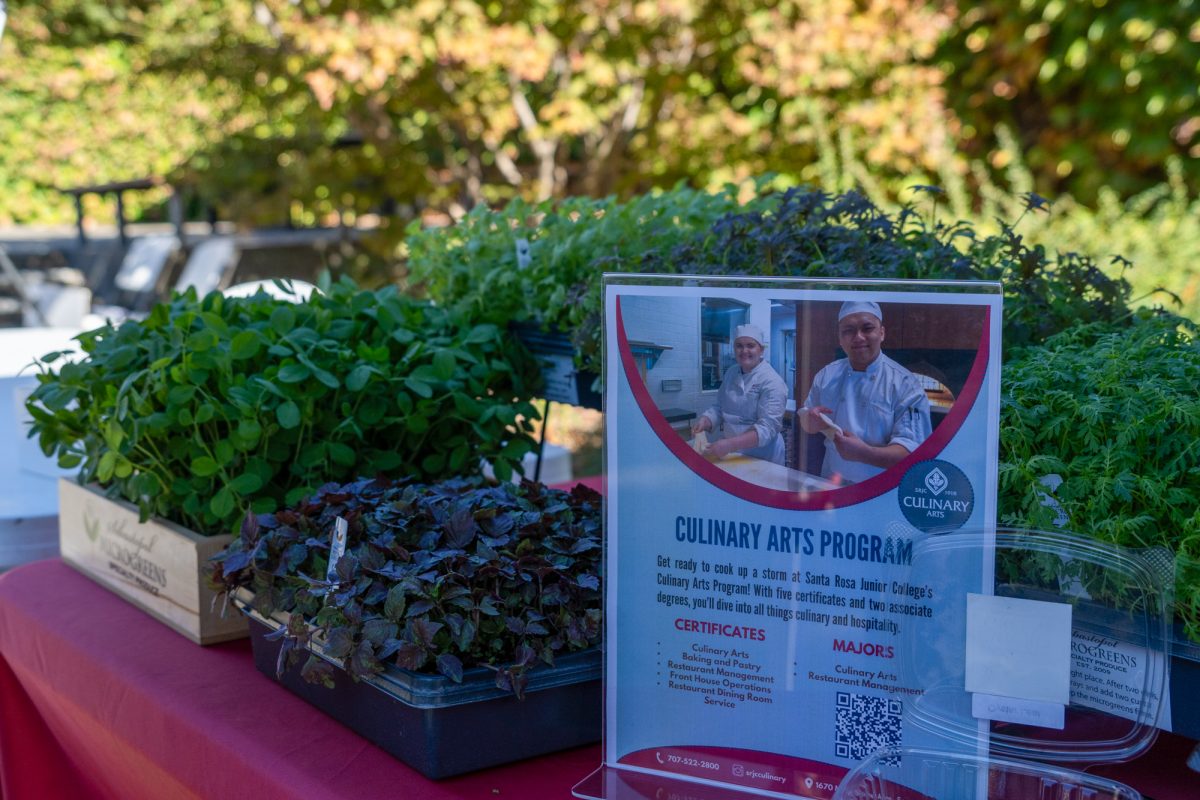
<point>864,724</point>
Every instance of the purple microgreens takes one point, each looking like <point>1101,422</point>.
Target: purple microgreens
<point>524,656</point>
<point>436,578</point>
<point>419,607</point>
<point>339,642</point>
<point>394,604</point>
<point>377,631</point>
<point>318,670</point>
<point>388,649</point>
<point>250,527</point>
<point>376,593</point>
<point>451,666</point>
<point>410,655</point>
<point>363,662</point>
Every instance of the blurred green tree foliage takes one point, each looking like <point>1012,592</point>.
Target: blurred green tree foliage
<point>1099,92</point>
<point>77,106</point>
<point>465,101</point>
<point>449,103</point>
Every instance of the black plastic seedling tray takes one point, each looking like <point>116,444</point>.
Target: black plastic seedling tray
<point>442,728</point>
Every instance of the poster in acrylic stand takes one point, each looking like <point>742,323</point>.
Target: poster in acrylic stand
<point>757,587</point>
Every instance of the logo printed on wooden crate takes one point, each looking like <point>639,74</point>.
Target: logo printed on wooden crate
<point>125,550</point>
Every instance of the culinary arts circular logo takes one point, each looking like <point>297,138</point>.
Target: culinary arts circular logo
<point>936,496</point>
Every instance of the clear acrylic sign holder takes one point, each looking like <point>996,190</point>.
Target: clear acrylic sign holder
<point>743,573</point>
<point>1118,608</point>
<point>773,632</point>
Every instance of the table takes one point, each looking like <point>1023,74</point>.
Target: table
<point>101,701</point>
<point>98,700</point>
<point>772,475</point>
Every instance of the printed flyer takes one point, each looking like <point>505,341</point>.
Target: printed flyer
<point>774,449</point>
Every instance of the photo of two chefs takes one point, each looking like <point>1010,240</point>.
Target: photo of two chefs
<point>872,410</point>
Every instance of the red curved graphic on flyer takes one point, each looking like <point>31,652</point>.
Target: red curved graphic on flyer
<point>745,769</point>
<point>806,500</point>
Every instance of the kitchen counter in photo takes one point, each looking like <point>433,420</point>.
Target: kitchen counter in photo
<point>773,476</point>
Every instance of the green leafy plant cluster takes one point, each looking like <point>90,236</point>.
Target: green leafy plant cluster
<point>1158,230</point>
<point>212,406</point>
<point>1112,411</point>
<point>483,103</point>
<point>438,578</point>
<point>473,265</point>
<point>803,232</point>
<point>814,234</point>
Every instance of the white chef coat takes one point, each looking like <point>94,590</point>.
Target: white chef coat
<point>882,405</point>
<point>754,399</point>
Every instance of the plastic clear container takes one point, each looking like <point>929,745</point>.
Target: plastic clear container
<point>892,774</point>
<point>1058,662</point>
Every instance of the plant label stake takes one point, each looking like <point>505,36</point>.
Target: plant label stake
<point>337,549</point>
<point>523,256</point>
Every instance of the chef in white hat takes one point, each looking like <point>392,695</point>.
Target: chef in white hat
<point>750,402</point>
<point>879,411</point>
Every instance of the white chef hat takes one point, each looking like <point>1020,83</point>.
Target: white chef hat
<point>751,331</point>
<point>857,306</point>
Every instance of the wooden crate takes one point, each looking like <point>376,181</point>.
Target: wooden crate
<point>156,565</point>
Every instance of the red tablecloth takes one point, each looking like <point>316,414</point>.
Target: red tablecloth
<point>99,700</point>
